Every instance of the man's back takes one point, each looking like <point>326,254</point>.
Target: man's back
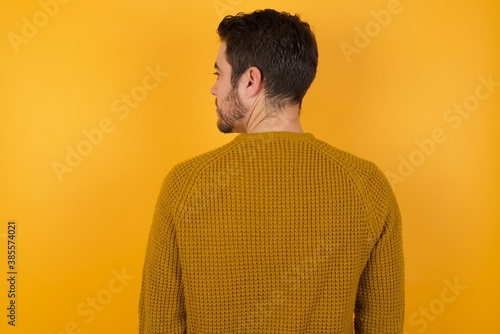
<point>274,232</point>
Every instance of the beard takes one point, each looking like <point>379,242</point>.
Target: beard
<point>230,111</point>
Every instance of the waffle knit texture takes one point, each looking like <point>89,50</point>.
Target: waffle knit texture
<point>274,232</point>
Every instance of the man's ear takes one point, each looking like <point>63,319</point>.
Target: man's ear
<point>251,82</point>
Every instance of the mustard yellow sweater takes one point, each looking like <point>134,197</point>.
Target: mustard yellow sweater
<point>274,233</point>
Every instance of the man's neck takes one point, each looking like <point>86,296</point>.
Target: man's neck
<point>284,120</point>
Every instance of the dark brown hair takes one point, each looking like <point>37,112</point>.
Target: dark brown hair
<point>280,45</point>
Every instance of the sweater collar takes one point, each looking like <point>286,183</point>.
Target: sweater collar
<point>288,136</point>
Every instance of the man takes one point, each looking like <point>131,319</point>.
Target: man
<point>277,231</point>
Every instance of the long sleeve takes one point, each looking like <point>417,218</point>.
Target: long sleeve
<point>161,308</point>
<point>380,296</point>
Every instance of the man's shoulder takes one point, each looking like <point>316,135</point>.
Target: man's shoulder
<point>182,175</point>
<point>369,180</point>
<point>351,163</point>
<point>191,165</point>
<point>358,169</point>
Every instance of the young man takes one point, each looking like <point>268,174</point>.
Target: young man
<point>277,231</point>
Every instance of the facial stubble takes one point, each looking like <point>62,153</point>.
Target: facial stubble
<point>232,110</point>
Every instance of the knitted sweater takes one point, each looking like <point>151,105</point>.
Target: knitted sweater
<point>274,232</point>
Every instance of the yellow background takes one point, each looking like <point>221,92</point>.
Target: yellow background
<point>79,230</point>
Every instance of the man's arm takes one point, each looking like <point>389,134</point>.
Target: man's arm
<point>380,297</point>
<point>161,306</point>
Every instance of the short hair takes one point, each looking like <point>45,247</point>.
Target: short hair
<point>279,44</point>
